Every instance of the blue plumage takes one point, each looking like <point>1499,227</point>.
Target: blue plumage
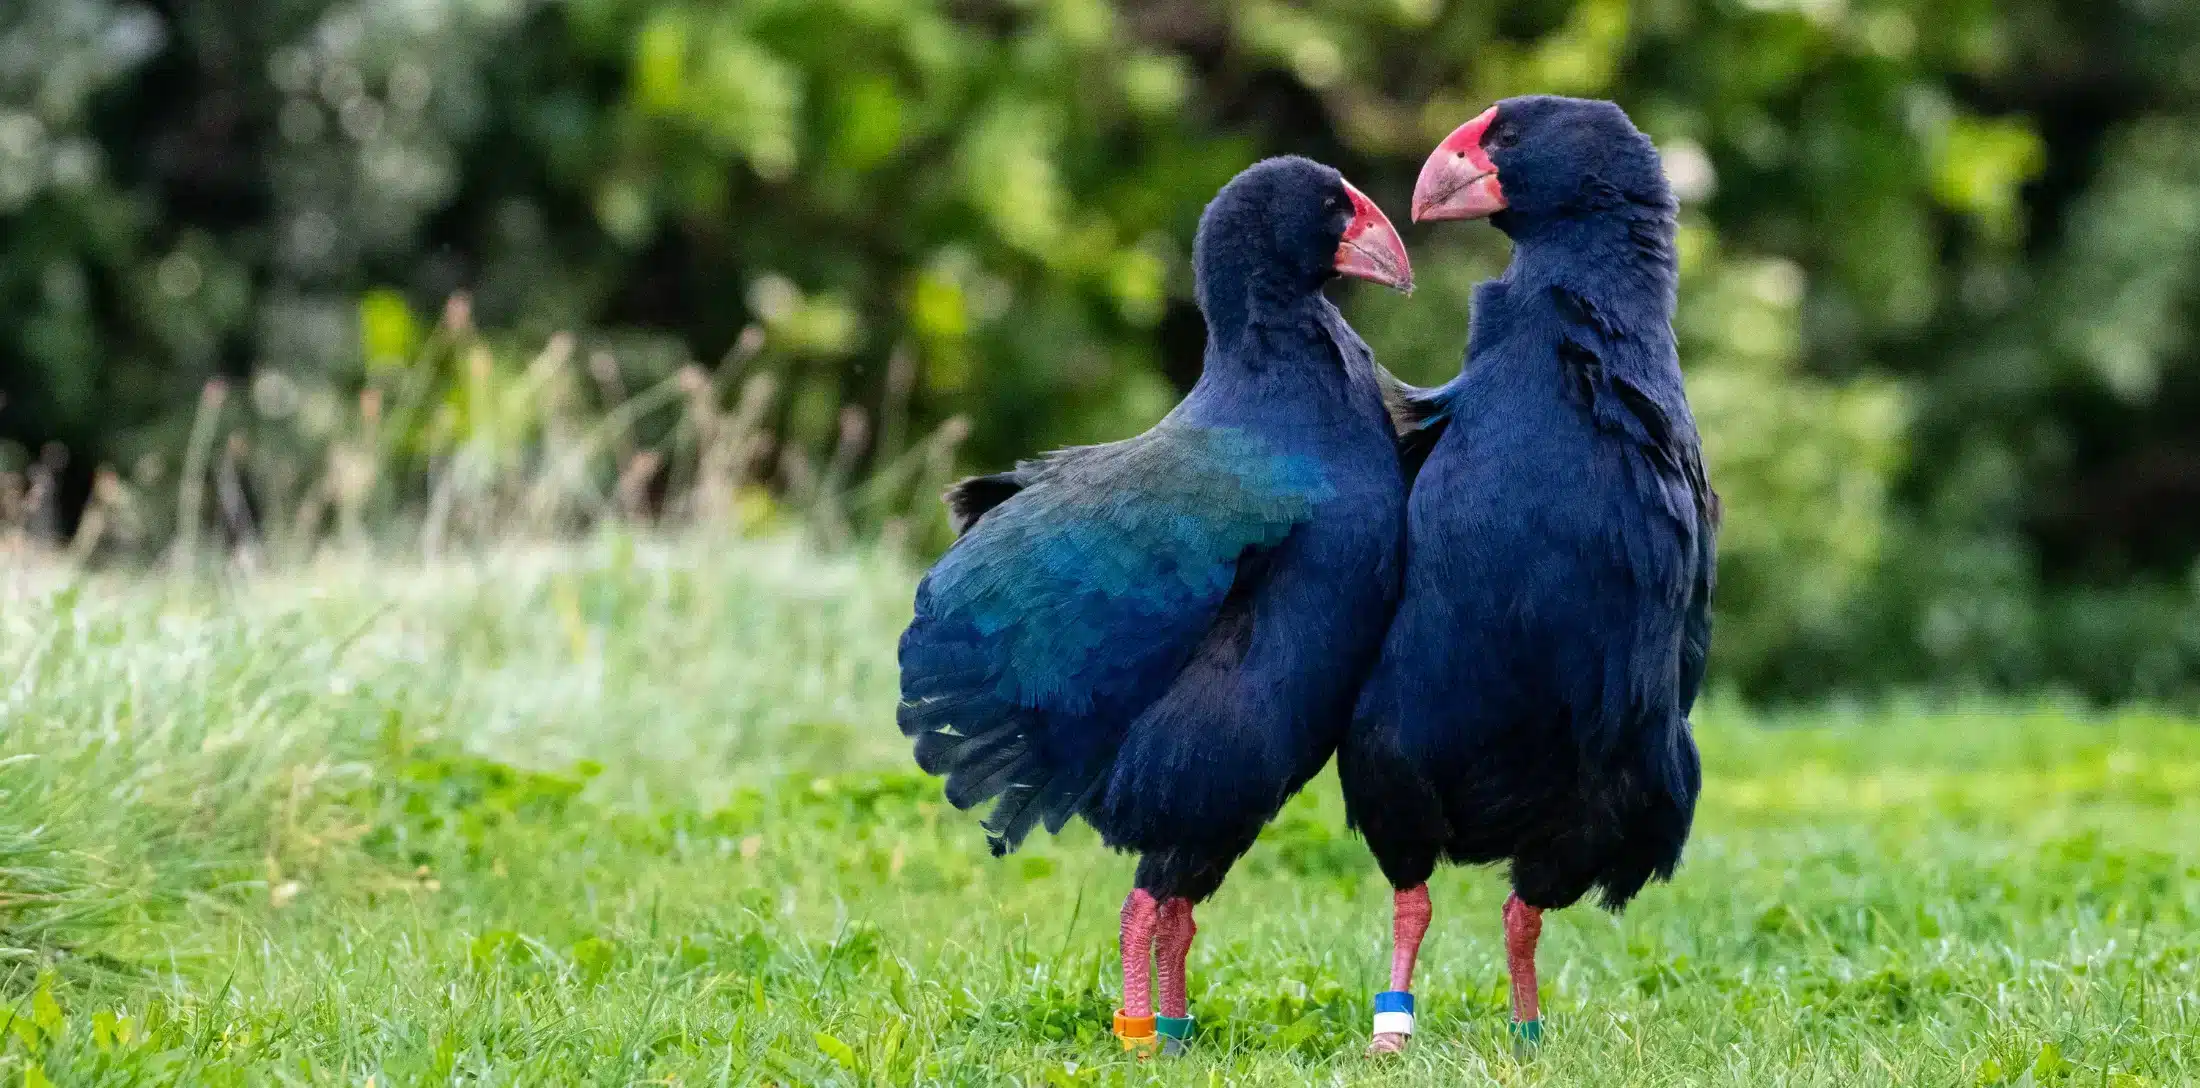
<point>1530,703</point>
<point>1163,635</point>
<point>1069,610</point>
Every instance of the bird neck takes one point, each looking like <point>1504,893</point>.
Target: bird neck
<point>1280,353</point>
<point>1622,259</point>
<point>1237,321</point>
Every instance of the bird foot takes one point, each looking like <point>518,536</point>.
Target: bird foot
<point>1388,1042</point>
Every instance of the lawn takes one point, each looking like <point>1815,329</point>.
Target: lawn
<point>635,813</point>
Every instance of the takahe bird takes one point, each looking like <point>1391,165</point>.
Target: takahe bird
<point>1164,635</point>
<point>1530,703</point>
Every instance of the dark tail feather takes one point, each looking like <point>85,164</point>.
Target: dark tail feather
<point>997,763</point>
<point>975,742</point>
<point>1066,795</point>
<point>1034,764</point>
<point>983,767</point>
<point>1657,829</point>
<point>1052,797</point>
<point>971,499</point>
<point>987,750</point>
<point>1012,819</point>
<point>923,714</point>
<point>1418,416</point>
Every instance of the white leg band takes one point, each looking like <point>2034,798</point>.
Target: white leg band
<point>1394,1023</point>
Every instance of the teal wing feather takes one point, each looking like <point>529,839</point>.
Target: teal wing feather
<point>1072,602</point>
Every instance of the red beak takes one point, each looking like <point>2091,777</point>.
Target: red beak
<point>1459,181</point>
<point>1370,248</point>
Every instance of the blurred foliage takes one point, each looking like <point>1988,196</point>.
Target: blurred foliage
<point>1940,264</point>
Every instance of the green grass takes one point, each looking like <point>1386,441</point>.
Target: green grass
<point>636,814</point>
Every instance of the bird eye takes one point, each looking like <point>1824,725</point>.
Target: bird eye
<point>1502,137</point>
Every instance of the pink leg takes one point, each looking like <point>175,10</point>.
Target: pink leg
<point>1139,916</point>
<point>1409,915</point>
<point>1172,944</point>
<point>1408,924</point>
<point>1523,925</point>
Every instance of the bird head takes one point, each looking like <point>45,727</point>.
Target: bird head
<point>1295,223</point>
<point>1529,161</point>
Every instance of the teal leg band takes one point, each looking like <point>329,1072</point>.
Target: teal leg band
<point>1527,1034</point>
<point>1175,1032</point>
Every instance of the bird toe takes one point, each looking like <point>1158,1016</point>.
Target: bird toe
<point>1388,1042</point>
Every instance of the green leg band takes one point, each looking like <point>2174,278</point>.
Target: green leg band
<point>1528,1034</point>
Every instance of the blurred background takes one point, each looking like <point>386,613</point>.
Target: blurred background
<point>277,275</point>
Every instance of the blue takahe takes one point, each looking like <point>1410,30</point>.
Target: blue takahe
<point>1164,635</point>
<point>1530,703</point>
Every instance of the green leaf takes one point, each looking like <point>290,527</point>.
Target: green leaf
<point>45,1011</point>
<point>841,1053</point>
<point>492,947</point>
<point>1300,1031</point>
<point>870,124</point>
<point>593,956</point>
<point>1981,166</point>
<point>2050,1063</point>
<point>388,333</point>
<point>660,64</point>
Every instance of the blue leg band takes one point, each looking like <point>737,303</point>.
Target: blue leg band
<point>1394,1013</point>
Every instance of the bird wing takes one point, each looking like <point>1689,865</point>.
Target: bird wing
<point>1632,390</point>
<point>1072,602</point>
<point>1674,453</point>
<point>1696,635</point>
